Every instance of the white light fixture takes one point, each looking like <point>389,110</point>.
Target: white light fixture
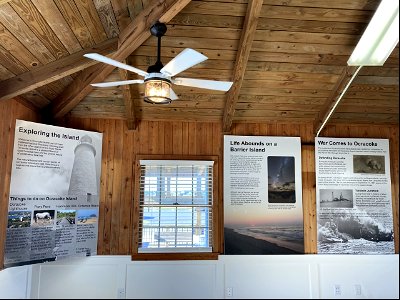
<point>157,90</point>
<point>380,37</point>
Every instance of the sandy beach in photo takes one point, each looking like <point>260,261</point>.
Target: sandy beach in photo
<point>236,243</point>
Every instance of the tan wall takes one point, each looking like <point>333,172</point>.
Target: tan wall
<point>193,138</point>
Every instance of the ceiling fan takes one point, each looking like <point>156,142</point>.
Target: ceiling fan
<point>158,78</point>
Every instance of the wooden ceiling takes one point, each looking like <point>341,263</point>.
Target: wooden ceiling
<point>287,59</point>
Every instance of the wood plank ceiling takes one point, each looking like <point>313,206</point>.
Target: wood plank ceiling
<point>287,58</point>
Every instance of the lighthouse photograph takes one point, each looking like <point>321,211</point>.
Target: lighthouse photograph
<point>83,180</point>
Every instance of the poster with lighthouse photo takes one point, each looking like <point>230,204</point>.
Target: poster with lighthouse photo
<point>54,194</point>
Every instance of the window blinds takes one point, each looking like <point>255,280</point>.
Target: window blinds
<point>175,204</point>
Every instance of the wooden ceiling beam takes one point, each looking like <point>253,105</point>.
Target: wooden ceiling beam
<point>27,104</point>
<point>4,1</point>
<point>242,56</point>
<point>128,101</point>
<point>330,103</point>
<point>53,71</point>
<point>129,40</point>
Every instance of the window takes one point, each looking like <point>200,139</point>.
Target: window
<point>175,205</point>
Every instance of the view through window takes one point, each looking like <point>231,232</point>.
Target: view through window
<point>176,199</point>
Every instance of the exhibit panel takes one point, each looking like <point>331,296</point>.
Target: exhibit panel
<point>53,205</point>
<point>262,195</point>
<point>354,201</point>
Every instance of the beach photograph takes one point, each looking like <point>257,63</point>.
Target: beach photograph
<point>264,240</point>
<point>258,229</point>
<point>87,216</point>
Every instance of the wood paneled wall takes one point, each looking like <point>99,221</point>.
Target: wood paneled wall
<point>10,110</point>
<point>119,149</point>
<point>194,138</point>
<point>181,138</point>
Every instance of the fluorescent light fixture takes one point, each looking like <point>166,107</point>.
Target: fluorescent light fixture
<point>380,37</point>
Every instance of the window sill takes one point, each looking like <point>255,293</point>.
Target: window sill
<point>175,256</point>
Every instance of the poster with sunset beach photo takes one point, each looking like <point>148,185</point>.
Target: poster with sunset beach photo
<point>262,195</point>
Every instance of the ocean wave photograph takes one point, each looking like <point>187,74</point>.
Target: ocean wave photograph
<point>354,232</point>
<point>264,240</point>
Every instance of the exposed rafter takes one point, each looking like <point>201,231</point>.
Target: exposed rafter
<point>4,1</point>
<point>344,79</point>
<point>128,100</point>
<point>246,40</point>
<point>27,104</point>
<point>53,71</point>
<point>129,40</point>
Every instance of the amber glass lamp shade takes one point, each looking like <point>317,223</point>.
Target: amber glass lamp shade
<point>157,91</point>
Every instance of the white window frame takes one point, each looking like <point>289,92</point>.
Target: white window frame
<point>210,206</point>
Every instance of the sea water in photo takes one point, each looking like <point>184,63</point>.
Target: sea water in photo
<point>290,237</point>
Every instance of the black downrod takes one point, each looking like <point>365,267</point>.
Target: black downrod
<point>158,30</point>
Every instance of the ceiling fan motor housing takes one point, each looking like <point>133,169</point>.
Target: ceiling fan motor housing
<point>156,68</point>
<point>158,76</point>
<point>158,29</point>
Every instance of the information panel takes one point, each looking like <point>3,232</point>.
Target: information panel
<point>262,195</point>
<point>54,194</point>
<point>354,204</point>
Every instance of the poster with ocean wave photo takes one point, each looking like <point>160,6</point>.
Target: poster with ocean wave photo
<point>262,195</point>
<point>354,203</point>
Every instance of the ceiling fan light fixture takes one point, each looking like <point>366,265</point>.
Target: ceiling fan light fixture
<point>157,90</point>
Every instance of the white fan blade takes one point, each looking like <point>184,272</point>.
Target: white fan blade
<point>116,83</point>
<point>184,60</point>
<point>114,63</point>
<point>172,95</point>
<point>204,84</point>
